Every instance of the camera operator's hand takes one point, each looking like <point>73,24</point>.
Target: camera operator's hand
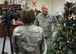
<point>17,22</point>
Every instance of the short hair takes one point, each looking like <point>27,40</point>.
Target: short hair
<point>44,5</point>
<point>27,15</point>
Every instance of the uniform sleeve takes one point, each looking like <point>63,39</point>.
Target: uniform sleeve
<point>51,18</point>
<point>15,39</point>
<point>15,46</point>
<point>50,22</point>
<point>37,19</point>
<point>36,22</point>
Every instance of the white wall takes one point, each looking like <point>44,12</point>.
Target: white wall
<point>58,6</point>
<point>73,0</point>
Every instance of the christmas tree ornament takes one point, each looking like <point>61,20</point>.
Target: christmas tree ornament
<point>70,31</point>
<point>70,18</point>
<point>74,18</point>
<point>60,43</point>
<point>60,47</point>
<point>72,39</point>
<point>68,41</point>
<point>64,24</point>
<point>67,32</point>
<point>60,28</point>
<point>65,19</point>
<point>74,25</point>
<point>67,36</point>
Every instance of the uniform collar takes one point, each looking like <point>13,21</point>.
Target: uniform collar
<point>46,15</point>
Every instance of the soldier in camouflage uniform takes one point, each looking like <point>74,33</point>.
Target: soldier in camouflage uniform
<point>45,21</point>
<point>28,37</point>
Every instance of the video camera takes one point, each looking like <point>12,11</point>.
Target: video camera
<point>9,13</point>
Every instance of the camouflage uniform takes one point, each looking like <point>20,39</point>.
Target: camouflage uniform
<point>46,23</point>
<point>27,39</point>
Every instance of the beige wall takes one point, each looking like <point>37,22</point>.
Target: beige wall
<point>40,3</point>
<point>54,5</point>
<point>2,1</point>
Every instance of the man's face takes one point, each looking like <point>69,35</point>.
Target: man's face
<point>44,10</point>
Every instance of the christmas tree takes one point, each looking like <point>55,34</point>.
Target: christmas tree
<point>65,40</point>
